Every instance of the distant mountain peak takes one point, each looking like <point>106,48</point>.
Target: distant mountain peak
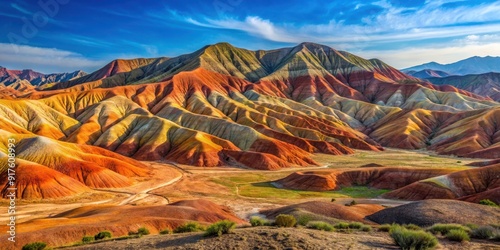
<point>471,65</point>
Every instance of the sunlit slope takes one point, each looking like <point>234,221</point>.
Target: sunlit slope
<point>468,134</point>
<point>47,168</point>
<point>467,184</point>
<point>306,71</point>
<point>223,105</point>
<point>200,118</point>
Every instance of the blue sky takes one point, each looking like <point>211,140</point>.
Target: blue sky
<point>70,34</point>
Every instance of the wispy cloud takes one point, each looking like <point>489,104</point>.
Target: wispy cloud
<point>47,60</point>
<point>20,9</point>
<point>393,24</point>
<point>90,41</point>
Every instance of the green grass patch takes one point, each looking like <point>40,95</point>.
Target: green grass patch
<point>257,221</point>
<point>267,190</point>
<point>35,246</point>
<point>484,232</point>
<point>457,235</point>
<point>285,220</point>
<point>320,225</point>
<point>189,227</point>
<point>103,235</point>
<point>443,229</point>
<point>488,202</point>
<point>220,228</point>
<point>410,239</point>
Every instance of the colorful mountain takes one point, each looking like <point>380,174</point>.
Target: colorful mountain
<point>10,77</point>
<point>223,105</point>
<point>487,84</point>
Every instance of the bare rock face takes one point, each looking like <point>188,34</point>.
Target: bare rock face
<point>429,212</point>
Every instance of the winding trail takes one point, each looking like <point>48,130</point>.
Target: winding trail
<point>142,194</point>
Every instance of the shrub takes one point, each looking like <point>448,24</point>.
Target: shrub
<point>412,227</point>
<point>143,231</point>
<point>488,202</point>
<point>320,225</point>
<point>87,239</point>
<point>166,231</point>
<point>188,227</point>
<point>103,235</point>
<point>457,235</point>
<point>445,228</point>
<point>285,220</point>
<point>384,228</point>
<point>484,232</point>
<point>341,225</point>
<point>257,221</point>
<point>409,239</point>
<point>220,228</point>
<point>366,228</point>
<point>352,203</point>
<point>303,220</point>
<point>496,237</point>
<point>35,246</point>
<point>471,226</point>
<point>355,225</point>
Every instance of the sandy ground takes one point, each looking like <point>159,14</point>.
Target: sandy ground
<point>274,238</point>
<point>169,182</point>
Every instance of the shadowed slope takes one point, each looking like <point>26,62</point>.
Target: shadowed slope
<point>429,212</point>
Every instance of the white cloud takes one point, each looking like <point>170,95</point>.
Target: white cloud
<point>46,60</point>
<point>392,25</point>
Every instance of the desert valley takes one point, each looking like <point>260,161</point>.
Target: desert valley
<point>226,133</point>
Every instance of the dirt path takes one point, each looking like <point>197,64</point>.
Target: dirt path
<point>142,189</point>
<point>142,194</point>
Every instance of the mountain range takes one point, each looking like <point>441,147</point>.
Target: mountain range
<point>223,105</point>
<point>472,65</point>
<point>478,75</point>
<point>26,77</point>
<point>487,84</point>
